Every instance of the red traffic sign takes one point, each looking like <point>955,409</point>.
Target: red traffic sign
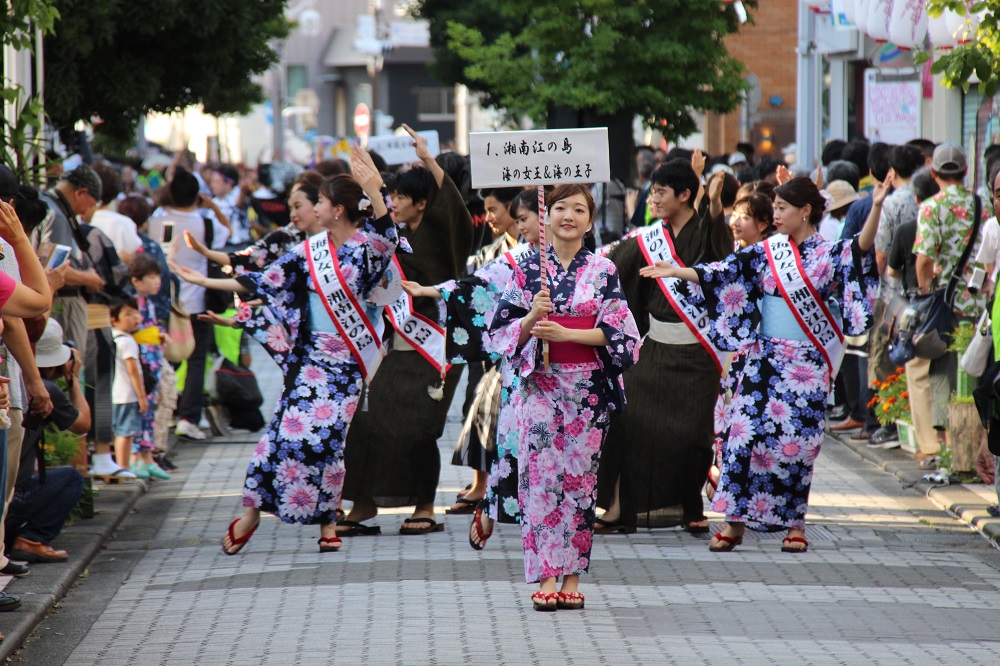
<point>362,121</point>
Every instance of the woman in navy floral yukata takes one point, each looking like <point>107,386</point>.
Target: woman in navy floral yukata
<point>297,471</point>
<point>778,412</point>
<point>563,410</point>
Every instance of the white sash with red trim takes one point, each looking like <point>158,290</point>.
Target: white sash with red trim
<point>804,301</point>
<point>358,332</point>
<point>657,246</point>
<point>424,335</point>
<point>518,253</point>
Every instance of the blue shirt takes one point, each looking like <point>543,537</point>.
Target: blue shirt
<point>856,216</point>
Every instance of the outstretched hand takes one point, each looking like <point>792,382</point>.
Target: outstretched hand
<point>417,290</point>
<point>187,274</point>
<point>419,143</point>
<point>662,269</point>
<point>715,186</point>
<point>881,190</point>
<point>194,244</point>
<point>698,162</point>
<point>782,175</point>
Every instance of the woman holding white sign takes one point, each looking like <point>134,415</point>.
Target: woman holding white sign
<point>316,328</point>
<point>779,410</point>
<point>564,408</point>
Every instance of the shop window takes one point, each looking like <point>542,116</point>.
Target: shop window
<point>296,78</point>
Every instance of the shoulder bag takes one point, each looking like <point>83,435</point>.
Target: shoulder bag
<point>181,333</point>
<point>934,319</point>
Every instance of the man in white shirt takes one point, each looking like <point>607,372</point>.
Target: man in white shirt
<point>225,188</point>
<point>179,218</point>
<point>118,228</point>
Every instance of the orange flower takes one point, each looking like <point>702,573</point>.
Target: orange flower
<point>900,370</point>
<point>905,395</point>
<point>891,379</point>
<point>872,402</point>
<point>886,407</point>
<point>891,400</point>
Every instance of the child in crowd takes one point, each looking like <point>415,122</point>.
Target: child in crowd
<point>144,275</point>
<point>128,396</point>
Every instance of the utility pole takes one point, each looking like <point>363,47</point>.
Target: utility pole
<point>808,130</point>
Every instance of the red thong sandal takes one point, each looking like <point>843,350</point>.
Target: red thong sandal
<point>477,526</point>
<point>237,543</point>
<point>729,546</point>
<point>540,601</point>
<point>570,601</point>
<point>786,549</point>
<point>329,544</point>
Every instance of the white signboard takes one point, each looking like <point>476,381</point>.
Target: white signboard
<point>892,107</point>
<point>539,157</point>
<point>400,150</point>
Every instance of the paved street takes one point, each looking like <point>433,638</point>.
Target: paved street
<point>889,579</point>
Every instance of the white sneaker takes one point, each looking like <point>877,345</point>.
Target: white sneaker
<point>111,470</point>
<point>203,423</point>
<point>189,430</point>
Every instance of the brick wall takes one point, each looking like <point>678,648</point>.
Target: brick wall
<point>767,49</point>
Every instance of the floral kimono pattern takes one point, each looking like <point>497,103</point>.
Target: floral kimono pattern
<point>265,251</point>
<point>297,470</point>
<point>471,304</point>
<point>151,358</point>
<point>562,414</point>
<point>776,418</point>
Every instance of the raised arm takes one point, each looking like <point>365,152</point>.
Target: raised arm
<point>33,297</point>
<point>194,277</point>
<point>665,269</point>
<point>220,258</point>
<point>421,146</point>
<point>364,171</point>
<point>866,239</point>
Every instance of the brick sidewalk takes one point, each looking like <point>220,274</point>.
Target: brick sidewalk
<point>888,579</point>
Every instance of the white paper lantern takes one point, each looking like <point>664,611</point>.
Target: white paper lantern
<point>850,11</point>
<point>963,28</point>
<point>861,8</point>
<point>937,31</point>
<point>908,23</point>
<point>879,12</point>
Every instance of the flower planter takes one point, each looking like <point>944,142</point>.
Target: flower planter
<point>965,384</point>
<point>907,436</point>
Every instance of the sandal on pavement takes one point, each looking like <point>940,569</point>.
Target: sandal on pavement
<point>329,544</point>
<point>240,542</point>
<point>569,601</point>
<point>540,601</point>
<point>477,526</point>
<point>605,527</point>
<point>461,493</point>
<point>729,543</point>
<point>432,526</point>
<point>466,506</point>
<point>357,529</point>
<point>788,549</point>
<point>691,528</point>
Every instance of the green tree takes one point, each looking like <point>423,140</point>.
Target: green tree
<point>119,59</point>
<point>980,56</point>
<point>664,60</point>
<point>21,147</point>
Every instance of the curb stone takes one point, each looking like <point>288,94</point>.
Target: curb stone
<point>966,505</point>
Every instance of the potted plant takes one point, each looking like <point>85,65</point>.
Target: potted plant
<point>61,448</point>
<point>891,403</point>
<point>964,427</point>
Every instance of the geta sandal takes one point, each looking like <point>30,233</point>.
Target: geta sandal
<point>786,549</point>
<point>467,506</point>
<point>540,601</point>
<point>329,544</point>
<point>570,601</point>
<point>354,528</point>
<point>606,527</point>
<point>240,542</point>
<point>729,543</point>
<point>432,526</point>
<point>477,525</point>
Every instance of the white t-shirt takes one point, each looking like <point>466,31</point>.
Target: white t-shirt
<point>191,296</point>
<point>122,391</point>
<point>990,247</point>
<point>119,228</point>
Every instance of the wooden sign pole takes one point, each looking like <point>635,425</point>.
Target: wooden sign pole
<point>543,261</point>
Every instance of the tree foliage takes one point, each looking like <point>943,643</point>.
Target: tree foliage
<point>980,56</point>
<point>119,59</point>
<point>661,59</point>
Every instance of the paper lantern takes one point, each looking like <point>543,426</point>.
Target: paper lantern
<point>908,23</point>
<point>850,11</point>
<point>937,31</point>
<point>879,12</point>
<point>963,27</point>
<point>861,8</point>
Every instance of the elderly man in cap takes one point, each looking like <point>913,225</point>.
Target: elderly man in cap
<point>76,193</point>
<point>945,225</point>
<point>45,498</point>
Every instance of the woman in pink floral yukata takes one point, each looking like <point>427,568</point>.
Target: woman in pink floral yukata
<point>564,409</point>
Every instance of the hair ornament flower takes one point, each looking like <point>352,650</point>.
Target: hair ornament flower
<point>828,198</point>
<point>364,204</point>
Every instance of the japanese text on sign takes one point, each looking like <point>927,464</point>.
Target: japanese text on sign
<point>539,157</point>
<point>400,150</point>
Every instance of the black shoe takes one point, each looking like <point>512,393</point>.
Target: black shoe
<point>15,569</point>
<point>884,435</point>
<point>993,510</point>
<point>9,602</point>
